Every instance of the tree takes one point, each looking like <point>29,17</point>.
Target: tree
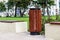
<point>10,4</point>
<point>2,6</point>
<point>23,5</point>
<point>46,4</point>
<point>19,3</point>
<point>50,3</point>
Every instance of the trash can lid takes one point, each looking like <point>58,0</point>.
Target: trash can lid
<point>34,8</point>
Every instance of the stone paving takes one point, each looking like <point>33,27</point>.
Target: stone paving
<point>20,36</point>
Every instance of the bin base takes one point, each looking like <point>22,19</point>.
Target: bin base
<point>34,33</point>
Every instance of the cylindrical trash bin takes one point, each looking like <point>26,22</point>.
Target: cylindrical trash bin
<point>35,21</point>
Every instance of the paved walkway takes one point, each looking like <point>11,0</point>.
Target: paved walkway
<point>20,36</point>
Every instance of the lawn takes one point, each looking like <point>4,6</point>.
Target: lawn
<point>15,18</point>
<point>52,17</point>
<point>26,19</point>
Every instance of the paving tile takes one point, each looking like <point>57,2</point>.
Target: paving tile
<point>20,36</point>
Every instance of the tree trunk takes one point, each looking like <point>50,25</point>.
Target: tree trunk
<point>48,14</point>
<point>43,20</point>
<point>15,9</point>
<point>7,11</point>
<point>43,13</point>
<point>22,13</point>
<point>15,12</point>
<point>56,15</point>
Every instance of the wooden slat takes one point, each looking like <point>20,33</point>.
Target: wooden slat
<point>35,20</point>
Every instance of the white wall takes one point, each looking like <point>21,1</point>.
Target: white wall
<point>53,8</point>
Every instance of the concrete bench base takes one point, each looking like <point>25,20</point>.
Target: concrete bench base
<point>13,27</point>
<point>52,31</point>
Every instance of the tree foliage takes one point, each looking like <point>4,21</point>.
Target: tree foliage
<point>10,4</point>
<point>46,2</point>
<point>19,3</point>
<point>2,6</point>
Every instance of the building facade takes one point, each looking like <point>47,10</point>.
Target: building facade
<point>55,8</point>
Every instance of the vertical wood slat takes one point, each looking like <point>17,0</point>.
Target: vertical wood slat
<point>35,20</point>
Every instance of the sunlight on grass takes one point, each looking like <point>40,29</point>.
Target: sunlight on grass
<point>14,18</point>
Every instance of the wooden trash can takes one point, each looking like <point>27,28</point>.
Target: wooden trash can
<point>35,26</point>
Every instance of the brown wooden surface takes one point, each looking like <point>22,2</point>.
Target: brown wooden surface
<point>56,23</point>
<point>35,20</point>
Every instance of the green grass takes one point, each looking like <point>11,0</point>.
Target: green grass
<point>15,18</point>
<point>52,17</point>
<point>26,19</point>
